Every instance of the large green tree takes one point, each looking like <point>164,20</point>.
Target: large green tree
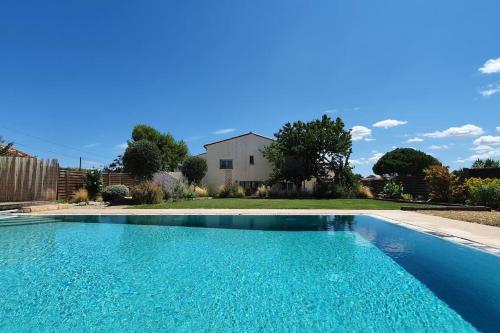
<point>194,169</point>
<point>173,152</point>
<point>304,150</point>
<point>142,159</point>
<point>404,162</point>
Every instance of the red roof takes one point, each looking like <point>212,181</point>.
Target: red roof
<point>17,153</point>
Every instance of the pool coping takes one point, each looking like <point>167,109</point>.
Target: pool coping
<point>481,237</point>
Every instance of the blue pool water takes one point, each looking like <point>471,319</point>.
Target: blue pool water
<point>240,273</point>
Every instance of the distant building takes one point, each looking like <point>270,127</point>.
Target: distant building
<point>237,160</point>
<point>13,152</point>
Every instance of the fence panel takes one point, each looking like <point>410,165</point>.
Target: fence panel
<point>71,180</point>
<point>27,179</point>
<point>413,185</point>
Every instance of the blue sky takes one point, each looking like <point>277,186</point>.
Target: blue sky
<point>76,76</point>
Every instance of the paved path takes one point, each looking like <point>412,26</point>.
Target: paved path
<point>477,235</point>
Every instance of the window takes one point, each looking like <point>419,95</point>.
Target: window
<point>252,160</point>
<point>225,164</point>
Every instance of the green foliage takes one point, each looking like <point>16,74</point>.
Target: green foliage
<point>4,148</point>
<point>487,163</point>
<point>194,169</point>
<point>404,162</point>
<point>485,195</point>
<point>114,193</point>
<point>439,182</point>
<point>178,190</point>
<point>407,197</point>
<point>116,165</point>
<point>392,190</point>
<point>172,152</point>
<point>93,182</point>
<point>330,190</point>
<point>306,150</point>
<point>147,193</point>
<point>231,191</point>
<point>142,159</point>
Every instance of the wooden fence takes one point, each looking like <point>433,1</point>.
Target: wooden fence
<point>71,180</point>
<point>28,179</point>
<point>414,185</point>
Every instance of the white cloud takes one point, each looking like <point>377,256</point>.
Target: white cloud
<point>122,145</point>
<point>491,89</point>
<point>439,147</point>
<point>491,66</point>
<point>498,128</point>
<point>360,133</point>
<point>370,160</point>
<point>224,131</point>
<point>390,123</point>
<point>487,140</point>
<point>415,139</point>
<point>91,145</point>
<point>465,130</point>
<point>481,149</point>
<point>492,153</point>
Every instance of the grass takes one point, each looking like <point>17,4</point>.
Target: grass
<point>280,204</point>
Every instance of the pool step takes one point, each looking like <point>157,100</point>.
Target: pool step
<point>7,221</point>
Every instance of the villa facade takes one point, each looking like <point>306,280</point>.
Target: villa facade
<point>237,160</point>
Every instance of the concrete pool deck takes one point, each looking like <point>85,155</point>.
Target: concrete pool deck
<point>479,236</point>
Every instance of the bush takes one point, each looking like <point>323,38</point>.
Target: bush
<point>178,190</point>
<point>231,191</point>
<point>332,191</point>
<point>392,190</point>
<point>442,185</point>
<point>407,197</point>
<point>364,192</point>
<point>483,192</point>
<point>147,193</point>
<point>194,169</point>
<point>114,193</point>
<point>200,192</point>
<point>142,159</point>
<point>81,195</point>
<point>93,182</point>
<point>262,191</point>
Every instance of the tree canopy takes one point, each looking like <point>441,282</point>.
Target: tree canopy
<point>172,152</point>
<point>303,150</point>
<point>142,159</point>
<point>194,169</point>
<point>487,163</point>
<point>404,162</point>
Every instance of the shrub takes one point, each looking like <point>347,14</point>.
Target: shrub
<point>442,185</point>
<point>262,191</point>
<point>484,192</point>
<point>332,191</point>
<point>142,159</point>
<point>178,190</point>
<point>194,169</point>
<point>364,192</point>
<point>392,190</point>
<point>200,192</point>
<point>93,182</point>
<point>231,191</point>
<point>81,195</point>
<point>407,197</point>
<point>147,193</point>
<point>115,193</point>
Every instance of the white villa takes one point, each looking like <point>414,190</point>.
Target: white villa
<point>237,160</point>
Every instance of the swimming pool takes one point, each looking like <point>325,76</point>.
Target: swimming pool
<point>240,273</point>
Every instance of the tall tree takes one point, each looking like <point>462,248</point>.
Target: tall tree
<point>173,152</point>
<point>303,150</point>
<point>487,163</point>
<point>142,159</point>
<point>404,162</point>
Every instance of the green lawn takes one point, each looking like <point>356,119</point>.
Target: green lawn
<point>282,204</point>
